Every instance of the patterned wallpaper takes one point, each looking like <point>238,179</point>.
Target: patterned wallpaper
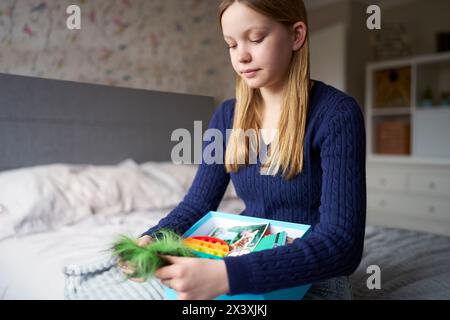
<point>166,45</point>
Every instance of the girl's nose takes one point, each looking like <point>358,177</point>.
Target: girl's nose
<point>244,56</point>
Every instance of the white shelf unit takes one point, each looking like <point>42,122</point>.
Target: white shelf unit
<point>430,129</point>
<point>411,190</point>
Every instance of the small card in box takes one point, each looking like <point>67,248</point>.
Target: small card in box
<point>213,219</point>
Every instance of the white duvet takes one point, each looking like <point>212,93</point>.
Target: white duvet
<point>32,266</point>
<point>57,215</point>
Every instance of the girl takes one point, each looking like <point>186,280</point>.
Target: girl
<point>315,173</point>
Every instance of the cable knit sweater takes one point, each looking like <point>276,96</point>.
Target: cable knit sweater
<point>329,194</point>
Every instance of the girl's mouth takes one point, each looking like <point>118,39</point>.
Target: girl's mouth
<point>250,73</point>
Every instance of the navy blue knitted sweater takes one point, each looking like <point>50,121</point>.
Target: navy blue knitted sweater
<point>329,194</point>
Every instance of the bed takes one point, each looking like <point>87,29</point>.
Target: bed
<point>40,247</point>
<point>84,163</point>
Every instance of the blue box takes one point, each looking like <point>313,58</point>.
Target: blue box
<point>213,219</point>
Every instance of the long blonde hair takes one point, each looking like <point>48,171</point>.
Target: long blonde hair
<point>247,114</point>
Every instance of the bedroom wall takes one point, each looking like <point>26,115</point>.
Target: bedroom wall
<point>171,45</point>
<point>324,66</point>
<point>421,19</point>
<point>165,45</point>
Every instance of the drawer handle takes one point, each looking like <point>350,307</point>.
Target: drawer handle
<point>431,209</point>
<point>432,185</point>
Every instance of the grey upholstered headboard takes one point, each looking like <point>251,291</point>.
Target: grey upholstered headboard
<point>45,121</point>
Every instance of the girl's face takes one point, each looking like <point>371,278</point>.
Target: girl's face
<point>257,44</point>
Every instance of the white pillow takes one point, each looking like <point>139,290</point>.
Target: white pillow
<point>43,198</point>
<point>179,176</point>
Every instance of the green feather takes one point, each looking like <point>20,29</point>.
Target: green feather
<point>147,259</point>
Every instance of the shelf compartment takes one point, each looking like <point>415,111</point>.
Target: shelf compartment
<point>392,135</point>
<point>433,84</point>
<point>392,88</point>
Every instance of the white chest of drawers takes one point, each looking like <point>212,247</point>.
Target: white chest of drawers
<point>410,195</point>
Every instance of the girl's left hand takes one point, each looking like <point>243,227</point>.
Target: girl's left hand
<point>194,278</point>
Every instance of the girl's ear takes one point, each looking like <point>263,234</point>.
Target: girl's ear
<point>299,35</point>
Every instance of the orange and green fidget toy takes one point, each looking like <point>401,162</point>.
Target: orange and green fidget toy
<point>208,247</point>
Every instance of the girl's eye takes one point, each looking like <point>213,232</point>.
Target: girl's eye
<point>258,41</point>
<point>254,41</point>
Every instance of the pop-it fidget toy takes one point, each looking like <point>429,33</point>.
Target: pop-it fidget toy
<point>209,245</point>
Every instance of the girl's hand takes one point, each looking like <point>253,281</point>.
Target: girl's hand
<point>128,269</point>
<point>194,278</point>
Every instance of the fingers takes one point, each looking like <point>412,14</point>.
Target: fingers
<point>166,283</point>
<point>144,240</point>
<point>174,283</point>
<point>122,265</point>
<point>129,269</point>
<point>172,259</point>
<point>126,267</point>
<point>163,274</point>
<point>137,279</point>
<point>173,269</point>
<point>167,272</point>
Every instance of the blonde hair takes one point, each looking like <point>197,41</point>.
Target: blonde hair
<point>288,152</point>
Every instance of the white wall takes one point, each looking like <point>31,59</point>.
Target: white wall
<point>328,50</point>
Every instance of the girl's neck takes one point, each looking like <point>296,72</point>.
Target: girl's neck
<point>271,111</point>
<point>273,97</point>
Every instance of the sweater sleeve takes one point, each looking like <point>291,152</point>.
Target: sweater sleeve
<point>334,246</point>
<point>208,186</point>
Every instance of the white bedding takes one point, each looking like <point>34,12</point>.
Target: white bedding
<point>414,265</point>
<point>55,215</point>
<point>32,266</point>
<point>34,248</point>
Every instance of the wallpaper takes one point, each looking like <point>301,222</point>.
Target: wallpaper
<point>164,45</point>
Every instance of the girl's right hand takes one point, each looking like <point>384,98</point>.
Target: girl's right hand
<point>128,269</point>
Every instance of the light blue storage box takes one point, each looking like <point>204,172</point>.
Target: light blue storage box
<point>213,219</point>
